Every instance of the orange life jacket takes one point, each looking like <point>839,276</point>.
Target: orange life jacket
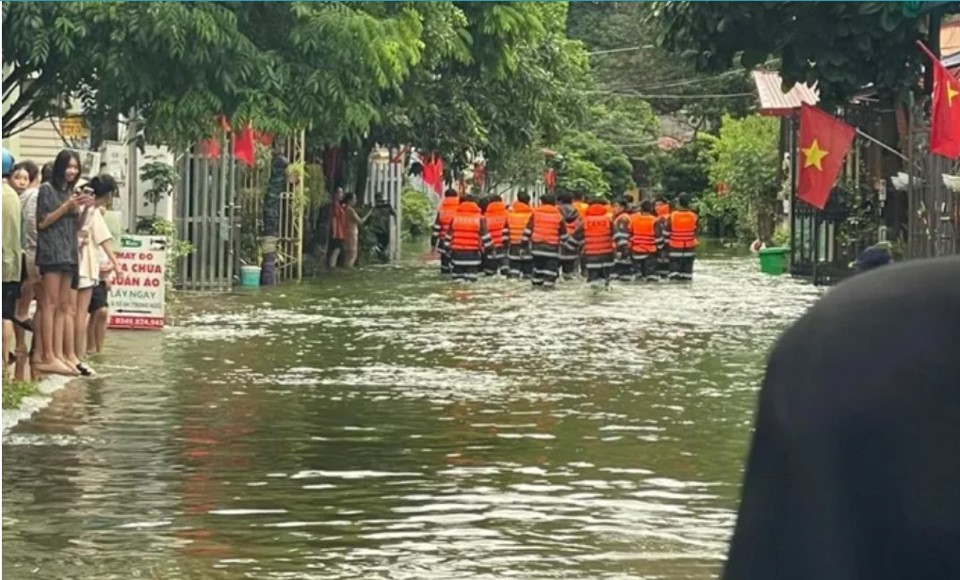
<point>581,208</point>
<point>609,210</point>
<point>517,220</point>
<point>663,210</point>
<point>597,232</point>
<point>465,228</point>
<point>448,209</point>
<point>683,230</point>
<point>546,225</point>
<point>643,233</point>
<point>496,215</point>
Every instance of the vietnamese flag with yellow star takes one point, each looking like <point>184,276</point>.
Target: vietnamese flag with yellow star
<point>824,142</point>
<point>945,113</point>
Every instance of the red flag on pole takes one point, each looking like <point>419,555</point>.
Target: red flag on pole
<point>243,146</point>
<point>824,142</point>
<point>945,113</point>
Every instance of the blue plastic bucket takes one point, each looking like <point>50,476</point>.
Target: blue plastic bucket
<point>250,276</point>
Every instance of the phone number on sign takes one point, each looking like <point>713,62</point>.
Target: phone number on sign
<point>135,322</point>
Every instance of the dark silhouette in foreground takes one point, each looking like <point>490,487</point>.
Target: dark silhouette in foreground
<point>854,471</point>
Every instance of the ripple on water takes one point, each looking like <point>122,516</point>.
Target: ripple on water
<point>386,424</point>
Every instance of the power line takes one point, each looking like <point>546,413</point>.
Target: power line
<point>623,49</point>
<point>682,97</point>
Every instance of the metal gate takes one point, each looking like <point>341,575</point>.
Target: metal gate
<point>205,219</point>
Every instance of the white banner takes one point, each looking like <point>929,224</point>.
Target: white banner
<point>137,294</point>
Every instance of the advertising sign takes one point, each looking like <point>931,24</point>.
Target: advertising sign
<point>137,293</point>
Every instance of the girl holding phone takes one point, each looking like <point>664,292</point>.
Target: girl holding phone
<point>57,260</point>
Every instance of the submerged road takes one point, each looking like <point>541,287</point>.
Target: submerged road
<point>386,424</point>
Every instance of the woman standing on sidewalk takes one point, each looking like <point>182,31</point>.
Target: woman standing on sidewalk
<point>57,260</point>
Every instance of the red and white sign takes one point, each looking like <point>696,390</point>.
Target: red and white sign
<point>137,293</point>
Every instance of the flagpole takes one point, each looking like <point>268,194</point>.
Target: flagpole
<point>881,144</point>
<point>927,51</point>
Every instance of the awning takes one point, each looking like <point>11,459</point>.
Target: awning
<point>775,102</point>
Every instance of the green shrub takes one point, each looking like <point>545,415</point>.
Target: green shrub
<point>14,391</point>
<point>417,215</point>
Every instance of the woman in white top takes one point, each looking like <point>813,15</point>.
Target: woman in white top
<point>94,237</point>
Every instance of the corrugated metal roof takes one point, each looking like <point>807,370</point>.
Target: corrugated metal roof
<point>773,101</point>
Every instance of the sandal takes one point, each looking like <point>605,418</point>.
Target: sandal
<point>85,371</point>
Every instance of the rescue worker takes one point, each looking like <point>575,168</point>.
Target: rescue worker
<point>445,215</point>
<point>520,260</point>
<point>495,261</point>
<point>597,232</point>
<point>467,240</point>
<point>643,232</point>
<point>662,210</point>
<point>572,220</point>
<point>681,236</point>
<point>545,234</point>
<point>579,204</point>
<point>623,264</point>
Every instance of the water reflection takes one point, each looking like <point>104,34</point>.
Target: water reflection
<point>386,424</point>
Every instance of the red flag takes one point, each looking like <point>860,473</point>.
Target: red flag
<point>824,142</point>
<point>210,148</point>
<point>243,146</point>
<point>945,113</point>
<point>433,174</point>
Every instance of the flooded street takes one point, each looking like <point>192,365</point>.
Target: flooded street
<point>387,424</point>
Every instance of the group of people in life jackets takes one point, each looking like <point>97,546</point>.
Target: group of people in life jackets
<point>564,235</point>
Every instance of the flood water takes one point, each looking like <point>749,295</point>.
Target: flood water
<point>387,424</point>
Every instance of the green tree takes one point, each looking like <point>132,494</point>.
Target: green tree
<point>685,169</point>
<point>169,61</point>
<point>745,161</point>
<point>842,46</point>
<point>629,61</point>
<point>501,78</point>
<point>614,166</point>
<point>179,65</point>
<point>577,174</point>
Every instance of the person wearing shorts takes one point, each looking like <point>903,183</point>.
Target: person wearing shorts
<point>58,204</point>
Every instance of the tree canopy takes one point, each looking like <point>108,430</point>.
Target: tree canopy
<point>842,46</point>
<point>457,75</point>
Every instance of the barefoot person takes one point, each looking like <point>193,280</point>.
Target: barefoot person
<point>57,260</point>
<point>26,172</point>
